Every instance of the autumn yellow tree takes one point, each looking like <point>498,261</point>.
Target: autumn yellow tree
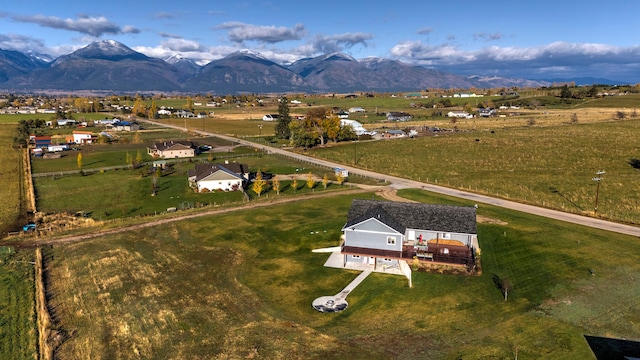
<point>136,138</point>
<point>138,158</point>
<point>139,107</point>
<point>339,177</point>
<point>79,160</point>
<point>259,184</point>
<point>325,181</point>
<point>332,127</point>
<point>310,182</point>
<point>129,159</point>
<point>275,185</point>
<point>294,184</point>
<point>153,110</point>
<point>189,105</point>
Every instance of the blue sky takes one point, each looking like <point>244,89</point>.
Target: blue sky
<point>542,39</point>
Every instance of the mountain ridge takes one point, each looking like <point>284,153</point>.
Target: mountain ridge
<point>110,65</point>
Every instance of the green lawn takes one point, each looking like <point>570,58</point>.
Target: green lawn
<point>241,285</point>
<point>114,194</point>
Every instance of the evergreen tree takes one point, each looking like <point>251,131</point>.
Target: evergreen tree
<point>284,119</point>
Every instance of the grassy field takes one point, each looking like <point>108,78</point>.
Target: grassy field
<point>10,176</point>
<point>546,166</point>
<point>125,193</point>
<point>241,286</point>
<point>17,308</point>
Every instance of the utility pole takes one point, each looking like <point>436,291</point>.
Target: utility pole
<point>597,179</point>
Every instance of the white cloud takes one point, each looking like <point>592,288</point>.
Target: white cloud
<point>546,60</point>
<point>240,32</point>
<point>91,25</point>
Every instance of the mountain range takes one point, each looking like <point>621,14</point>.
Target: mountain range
<point>110,66</point>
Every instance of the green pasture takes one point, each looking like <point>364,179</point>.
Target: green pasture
<point>122,193</point>
<point>240,285</point>
<point>11,177</point>
<point>18,335</point>
<point>252,125</point>
<point>627,102</point>
<point>15,118</point>
<point>547,166</point>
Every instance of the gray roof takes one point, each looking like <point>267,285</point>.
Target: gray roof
<point>403,215</point>
<point>166,145</point>
<point>202,170</point>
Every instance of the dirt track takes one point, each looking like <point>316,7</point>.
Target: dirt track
<point>97,233</point>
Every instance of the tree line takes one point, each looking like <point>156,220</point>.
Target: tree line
<point>317,127</point>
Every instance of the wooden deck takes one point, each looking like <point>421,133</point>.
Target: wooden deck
<point>456,254</point>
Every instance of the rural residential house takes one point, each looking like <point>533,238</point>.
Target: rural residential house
<point>83,137</point>
<point>173,149</point>
<point>398,116</point>
<point>487,112</point>
<point>124,126</point>
<point>210,177</point>
<point>41,141</point>
<point>459,114</point>
<point>357,127</point>
<point>386,232</point>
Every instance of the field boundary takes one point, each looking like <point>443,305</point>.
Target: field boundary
<point>251,205</point>
<point>43,318</point>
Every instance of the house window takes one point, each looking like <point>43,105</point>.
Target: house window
<point>411,235</point>
<point>355,256</point>
<point>387,260</point>
<point>446,235</point>
<point>391,240</point>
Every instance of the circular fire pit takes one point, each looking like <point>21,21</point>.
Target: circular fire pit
<point>329,304</point>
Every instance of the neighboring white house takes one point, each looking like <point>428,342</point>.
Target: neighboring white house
<point>104,122</point>
<point>225,177</point>
<point>57,148</point>
<point>398,116</point>
<point>357,110</point>
<point>185,114</point>
<point>164,112</point>
<point>386,232</point>
<point>459,114</point>
<point>356,126</point>
<point>83,137</point>
<point>173,149</point>
<point>487,112</point>
<point>124,126</point>
<point>62,122</point>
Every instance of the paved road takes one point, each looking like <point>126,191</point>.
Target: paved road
<point>400,183</point>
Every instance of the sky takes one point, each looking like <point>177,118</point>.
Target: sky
<point>544,39</point>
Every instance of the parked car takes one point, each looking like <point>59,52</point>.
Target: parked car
<point>270,117</point>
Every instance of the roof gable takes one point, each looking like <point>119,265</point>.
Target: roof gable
<point>372,224</point>
<point>204,170</point>
<point>221,174</point>
<point>174,145</point>
<point>401,216</point>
